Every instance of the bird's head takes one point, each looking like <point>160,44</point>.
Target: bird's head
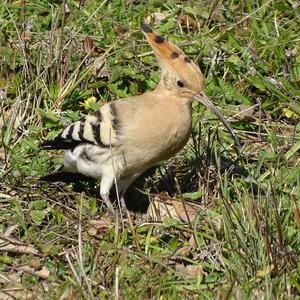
<point>180,75</point>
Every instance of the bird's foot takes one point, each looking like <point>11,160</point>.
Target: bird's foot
<point>111,210</point>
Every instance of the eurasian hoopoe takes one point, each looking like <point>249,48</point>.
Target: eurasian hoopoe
<point>120,141</point>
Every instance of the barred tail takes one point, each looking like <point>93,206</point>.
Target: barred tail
<point>66,177</point>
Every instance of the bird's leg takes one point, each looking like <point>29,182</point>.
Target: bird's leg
<point>119,198</point>
<point>106,183</point>
<point>105,198</point>
<point>122,203</point>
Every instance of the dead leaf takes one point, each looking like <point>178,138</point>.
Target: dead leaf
<point>2,154</point>
<point>217,223</point>
<point>185,211</point>
<point>88,44</point>
<point>4,196</point>
<point>156,18</point>
<point>182,251</point>
<point>161,207</point>
<point>189,21</point>
<point>6,278</point>
<point>191,271</point>
<point>10,244</point>
<point>246,112</point>
<point>8,232</point>
<point>42,273</point>
<point>18,249</point>
<point>98,227</point>
<point>20,294</point>
<point>193,242</point>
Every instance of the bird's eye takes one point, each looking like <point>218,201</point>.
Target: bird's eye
<point>180,83</point>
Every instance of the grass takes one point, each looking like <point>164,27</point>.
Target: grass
<point>241,239</point>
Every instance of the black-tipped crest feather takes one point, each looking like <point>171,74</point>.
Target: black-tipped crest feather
<point>146,28</point>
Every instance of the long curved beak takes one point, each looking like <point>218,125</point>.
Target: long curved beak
<point>202,98</point>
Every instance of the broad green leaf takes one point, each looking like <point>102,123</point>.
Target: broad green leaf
<point>37,216</point>
<point>192,196</point>
<point>48,116</point>
<point>38,204</point>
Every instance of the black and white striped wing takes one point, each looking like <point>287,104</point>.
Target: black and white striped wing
<point>100,128</point>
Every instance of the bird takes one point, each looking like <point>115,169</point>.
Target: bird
<point>125,137</point>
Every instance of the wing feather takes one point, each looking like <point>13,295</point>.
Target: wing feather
<point>96,129</point>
